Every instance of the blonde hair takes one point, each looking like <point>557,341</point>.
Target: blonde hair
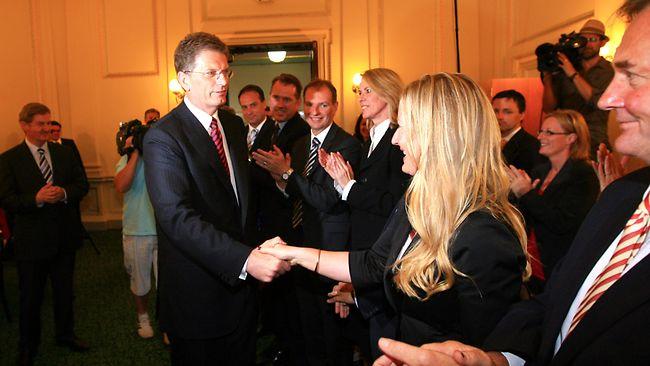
<point>388,85</point>
<point>573,122</point>
<point>450,121</point>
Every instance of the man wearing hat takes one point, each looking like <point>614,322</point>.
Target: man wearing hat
<point>579,89</point>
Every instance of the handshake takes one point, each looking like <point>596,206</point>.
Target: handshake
<point>272,259</point>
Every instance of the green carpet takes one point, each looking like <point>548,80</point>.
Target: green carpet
<point>104,314</point>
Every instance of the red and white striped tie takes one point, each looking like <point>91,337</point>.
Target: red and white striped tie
<point>633,237</point>
<point>215,134</point>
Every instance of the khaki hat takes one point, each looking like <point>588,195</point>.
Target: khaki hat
<point>594,26</point>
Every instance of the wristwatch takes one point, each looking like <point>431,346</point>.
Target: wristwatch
<point>287,174</point>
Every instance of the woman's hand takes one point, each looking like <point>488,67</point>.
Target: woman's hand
<point>342,171</point>
<point>342,296</point>
<point>520,182</point>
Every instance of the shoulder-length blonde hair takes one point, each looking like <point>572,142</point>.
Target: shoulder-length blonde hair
<point>388,85</point>
<point>573,122</point>
<point>450,121</point>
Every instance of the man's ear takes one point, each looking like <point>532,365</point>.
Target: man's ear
<point>185,81</point>
<point>23,125</point>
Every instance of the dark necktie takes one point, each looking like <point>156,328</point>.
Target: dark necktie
<point>44,166</point>
<point>217,138</point>
<point>296,218</point>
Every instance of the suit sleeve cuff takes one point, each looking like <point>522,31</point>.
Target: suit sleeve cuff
<point>346,190</point>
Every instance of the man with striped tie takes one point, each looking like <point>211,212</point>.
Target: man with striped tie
<point>41,184</point>
<point>319,219</point>
<point>595,309</point>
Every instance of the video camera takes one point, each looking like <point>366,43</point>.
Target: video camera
<point>133,128</point>
<point>569,44</point>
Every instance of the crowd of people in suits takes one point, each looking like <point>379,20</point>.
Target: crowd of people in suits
<point>447,230</point>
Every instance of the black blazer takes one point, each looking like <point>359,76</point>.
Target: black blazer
<point>380,183</point>
<point>69,143</point>
<point>41,232</point>
<point>293,130</point>
<point>484,249</point>
<point>326,219</point>
<point>200,224</point>
<point>614,331</point>
<point>558,213</point>
<point>522,151</point>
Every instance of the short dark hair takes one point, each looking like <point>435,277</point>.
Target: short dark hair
<point>55,123</point>
<point>151,110</point>
<point>632,8</point>
<point>288,79</point>
<point>514,95</point>
<point>192,45</point>
<point>30,110</point>
<point>252,88</point>
<point>320,84</point>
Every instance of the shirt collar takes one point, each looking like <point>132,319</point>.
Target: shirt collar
<point>202,116</point>
<point>34,149</point>
<point>321,136</point>
<point>378,131</point>
<point>512,133</point>
<point>258,128</point>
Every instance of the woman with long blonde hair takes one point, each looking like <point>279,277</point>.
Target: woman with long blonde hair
<point>451,258</point>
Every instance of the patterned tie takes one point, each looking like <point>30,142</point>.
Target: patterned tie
<point>215,133</point>
<point>631,240</point>
<point>296,218</point>
<point>250,139</point>
<point>45,166</point>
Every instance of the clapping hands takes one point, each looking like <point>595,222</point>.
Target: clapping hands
<point>607,167</point>
<point>520,182</point>
<point>336,166</point>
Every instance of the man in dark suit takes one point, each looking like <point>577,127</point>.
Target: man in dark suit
<point>319,218</point>
<point>595,309</point>
<point>41,185</point>
<point>198,180</point>
<point>55,136</point>
<point>519,148</point>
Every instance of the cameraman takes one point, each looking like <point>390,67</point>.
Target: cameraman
<point>580,90</point>
<point>139,239</point>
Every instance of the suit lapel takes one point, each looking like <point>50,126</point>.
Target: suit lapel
<point>31,164</point>
<point>401,231</point>
<point>202,142</point>
<point>589,247</point>
<point>379,153</point>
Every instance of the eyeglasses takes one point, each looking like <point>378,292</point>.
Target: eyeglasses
<point>212,74</point>
<point>593,39</point>
<point>552,133</point>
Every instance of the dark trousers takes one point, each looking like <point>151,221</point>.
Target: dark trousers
<point>324,330</point>
<point>281,316</point>
<point>32,276</point>
<point>236,348</point>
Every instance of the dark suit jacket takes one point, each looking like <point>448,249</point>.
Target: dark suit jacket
<point>558,213</point>
<point>41,232</point>
<point>71,145</point>
<point>326,219</point>
<point>380,183</point>
<point>483,248</point>
<point>522,151</point>
<point>294,129</point>
<point>200,224</point>
<point>614,331</point>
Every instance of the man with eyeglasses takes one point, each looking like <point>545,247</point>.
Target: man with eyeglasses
<point>579,89</point>
<point>196,169</point>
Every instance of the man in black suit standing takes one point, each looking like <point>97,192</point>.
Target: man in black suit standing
<point>41,185</point>
<point>319,218</point>
<point>519,148</point>
<point>198,180</point>
<point>595,309</point>
<point>55,136</point>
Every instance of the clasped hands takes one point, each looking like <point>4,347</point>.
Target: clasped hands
<point>49,193</point>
